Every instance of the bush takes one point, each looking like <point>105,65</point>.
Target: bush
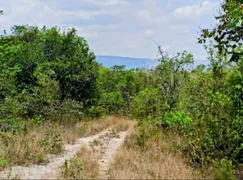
<point>172,119</point>
<point>223,170</point>
<point>111,102</point>
<point>73,169</point>
<point>10,107</point>
<point>10,125</point>
<point>147,130</point>
<point>215,139</point>
<point>95,112</point>
<point>71,110</point>
<point>52,142</point>
<point>146,105</point>
<point>39,68</point>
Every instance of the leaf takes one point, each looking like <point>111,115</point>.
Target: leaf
<point>239,49</point>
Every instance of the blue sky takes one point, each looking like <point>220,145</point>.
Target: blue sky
<point>120,27</point>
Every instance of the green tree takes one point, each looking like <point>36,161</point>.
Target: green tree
<point>170,74</point>
<point>46,67</point>
<point>228,34</point>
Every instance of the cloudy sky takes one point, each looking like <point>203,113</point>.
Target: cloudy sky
<point>120,27</point>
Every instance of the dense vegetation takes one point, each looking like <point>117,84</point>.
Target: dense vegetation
<point>51,75</point>
<point>44,72</point>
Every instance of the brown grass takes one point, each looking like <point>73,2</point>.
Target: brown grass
<point>159,159</point>
<point>34,146</point>
<point>31,147</point>
<point>122,124</point>
<point>88,128</point>
<point>89,168</point>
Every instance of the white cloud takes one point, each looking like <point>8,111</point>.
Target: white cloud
<point>196,11</point>
<point>118,27</point>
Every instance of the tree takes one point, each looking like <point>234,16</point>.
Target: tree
<point>169,74</point>
<point>46,67</point>
<point>228,33</point>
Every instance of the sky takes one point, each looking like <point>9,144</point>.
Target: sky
<point>120,27</point>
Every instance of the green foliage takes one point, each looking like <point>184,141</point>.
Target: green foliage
<point>171,119</point>
<point>10,125</point>
<point>52,141</point>
<point>147,130</point>
<point>95,112</point>
<point>3,163</point>
<point>71,110</point>
<point>73,169</point>
<point>227,34</point>
<point>116,87</point>
<point>214,103</point>
<point>43,68</point>
<point>111,101</point>
<point>223,170</point>
<point>146,104</point>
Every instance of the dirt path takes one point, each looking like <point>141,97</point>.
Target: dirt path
<point>108,149</point>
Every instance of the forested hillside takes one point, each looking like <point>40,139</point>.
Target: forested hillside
<point>52,91</point>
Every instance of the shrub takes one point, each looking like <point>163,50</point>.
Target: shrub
<point>223,170</point>
<point>215,139</point>
<point>172,119</point>
<point>3,163</point>
<point>10,125</point>
<point>52,141</point>
<point>147,130</point>
<point>95,112</point>
<point>71,110</point>
<point>111,102</point>
<point>146,104</point>
<point>73,169</point>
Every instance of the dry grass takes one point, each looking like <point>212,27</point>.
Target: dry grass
<point>96,126</point>
<point>159,159</point>
<point>31,147</point>
<point>91,167</point>
<point>83,166</point>
<point>88,128</point>
<point>122,124</point>
<point>34,146</point>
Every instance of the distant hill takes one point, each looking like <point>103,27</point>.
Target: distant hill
<point>129,62</point>
<point>109,61</point>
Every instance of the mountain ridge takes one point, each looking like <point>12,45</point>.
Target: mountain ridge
<point>134,62</point>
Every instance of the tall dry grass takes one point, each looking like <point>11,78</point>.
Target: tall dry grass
<point>34,145</point>
<point>88,128</point>
<point>83,166</point>
<point>31,147</point>
<point>158,159</point>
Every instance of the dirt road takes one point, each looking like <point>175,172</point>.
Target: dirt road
<point>110,144</point>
